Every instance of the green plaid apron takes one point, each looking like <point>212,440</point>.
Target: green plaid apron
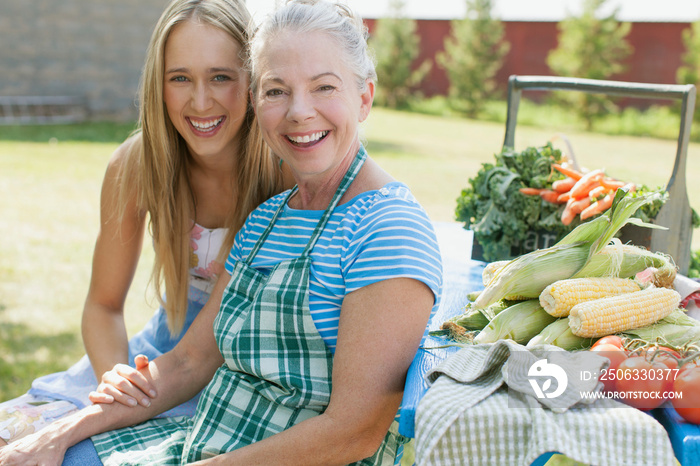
<point>277,369</point>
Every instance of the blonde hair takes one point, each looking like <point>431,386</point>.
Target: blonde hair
<point>336,19</point>
<point>156,168</point>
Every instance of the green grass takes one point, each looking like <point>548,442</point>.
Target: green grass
<point>661,122</point>
<point>99,131</point>
<point>49,219</point>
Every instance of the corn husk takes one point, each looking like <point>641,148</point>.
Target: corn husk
<point>519,322</point>
<point>614,260</point>
<point>471,319</point>
<point>558,333</point>
<point>626,260</point>
<point>676,330</point>
<point>477,319</point>
<point>529,274</point>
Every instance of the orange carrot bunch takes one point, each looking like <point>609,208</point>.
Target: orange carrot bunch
<point>585,194</point>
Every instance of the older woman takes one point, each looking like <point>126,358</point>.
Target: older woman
<point>326,295</point>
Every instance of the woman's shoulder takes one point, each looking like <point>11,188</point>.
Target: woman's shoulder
<point>126,154</point>
<point>394,196</point>
<point>390,211</point>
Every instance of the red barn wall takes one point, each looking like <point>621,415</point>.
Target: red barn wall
<point>658,48</point>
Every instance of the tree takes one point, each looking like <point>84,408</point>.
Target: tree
<point>590,47</point>
<point>396,46</point>
<point>474,52</point>
<point>689,72</point>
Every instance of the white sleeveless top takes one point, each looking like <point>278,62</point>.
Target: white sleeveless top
<point>205,245</point>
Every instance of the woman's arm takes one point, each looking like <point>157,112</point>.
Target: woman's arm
<point>381,326</point>
<point>114,262</point>
<point>176,377</point>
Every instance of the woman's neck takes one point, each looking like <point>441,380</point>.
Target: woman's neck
<point>315,193</point>
<point>215,190</point>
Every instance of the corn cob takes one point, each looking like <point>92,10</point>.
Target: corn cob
<point>614,260</point>
<point>519,322</point>
<point>491,270</point>
<point>477,319</point>
<point>558,333</point>
<point>529,274</point>
<point>559,297</point>
<point>616,314</point>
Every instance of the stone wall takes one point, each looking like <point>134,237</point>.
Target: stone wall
<point>87,48</point>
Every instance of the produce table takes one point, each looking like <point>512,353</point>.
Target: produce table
<point>462,275</point>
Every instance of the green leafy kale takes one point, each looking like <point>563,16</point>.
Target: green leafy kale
<point>499,214</point>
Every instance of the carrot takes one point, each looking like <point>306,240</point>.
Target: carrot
<point>567,215</point>
<point>598,191</point>
<point>531,191</point>
<point>578,205</point>
<point>570,172</point>
<point>550,196</point>
<point>573,207</point>
<point>597,207</point>
<point>587,182</point>
<point>612,183</point>
<point>562,186</point>
<point>563,197</point>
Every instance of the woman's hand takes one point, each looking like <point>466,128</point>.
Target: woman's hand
<point>39,448</point>
<point>126,385</point>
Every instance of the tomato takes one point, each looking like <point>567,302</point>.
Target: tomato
<point>609,340</point>
<point>641,383</point>
<point>688,366</point>
<point>687,387</point>
<point>664,355</point>
<point>615,355</point>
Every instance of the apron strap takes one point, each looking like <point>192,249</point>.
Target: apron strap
<point>345,183</point>
<point>268,229</point>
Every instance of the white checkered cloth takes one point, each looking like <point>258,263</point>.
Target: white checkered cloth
<point>478,412</point>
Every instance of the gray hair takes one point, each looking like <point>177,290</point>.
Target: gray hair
<point>330,17</point>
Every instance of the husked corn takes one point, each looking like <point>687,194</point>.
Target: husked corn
<point>559,297</point>
<point>615,314</point>
<point>491,269</point>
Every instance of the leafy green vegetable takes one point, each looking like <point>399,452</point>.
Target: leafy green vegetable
<point>506,222</point>
<point>498,213</point>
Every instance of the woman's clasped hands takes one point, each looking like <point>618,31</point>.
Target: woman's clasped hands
<point>130,386</point>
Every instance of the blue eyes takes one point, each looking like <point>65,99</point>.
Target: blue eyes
<point>218,78</point>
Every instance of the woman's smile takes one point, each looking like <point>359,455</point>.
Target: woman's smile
<point>205,127</point>
<point>307,140</point>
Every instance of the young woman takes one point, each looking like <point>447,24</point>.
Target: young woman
<point>306,340</point>
<point>191,174</point>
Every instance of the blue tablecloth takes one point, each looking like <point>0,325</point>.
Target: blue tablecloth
<point>461,275</point>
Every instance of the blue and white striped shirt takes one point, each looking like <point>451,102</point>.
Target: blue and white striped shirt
<point>376,236</point>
